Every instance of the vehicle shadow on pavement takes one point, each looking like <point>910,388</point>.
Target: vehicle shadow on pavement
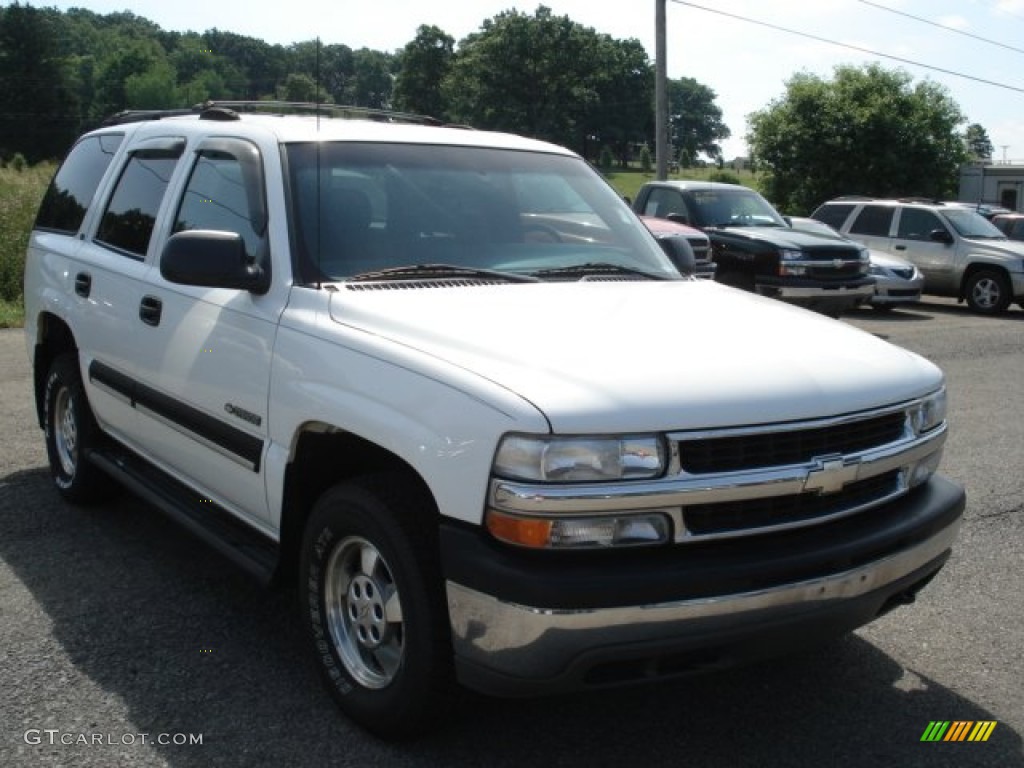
<point>115,621</point>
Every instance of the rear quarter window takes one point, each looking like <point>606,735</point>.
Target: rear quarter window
<point>833,215</point>
<point>74,185</point>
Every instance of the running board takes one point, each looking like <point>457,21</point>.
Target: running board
<point>247,548</point>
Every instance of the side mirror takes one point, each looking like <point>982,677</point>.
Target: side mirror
<point>681,254</point>
<point>213,260</point>
<point>941,236</point>
<point>679,218</point>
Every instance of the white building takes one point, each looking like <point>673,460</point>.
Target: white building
<point>994,184</point>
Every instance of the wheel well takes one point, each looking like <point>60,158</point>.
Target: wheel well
<point>975,268</point>
<point>322,459</point>
<point>53,337</point>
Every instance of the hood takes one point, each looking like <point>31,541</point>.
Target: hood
<point>1012,248</point>
<point>783,237</point>
<point>644,356</point>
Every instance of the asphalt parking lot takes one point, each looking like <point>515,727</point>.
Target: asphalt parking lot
<point>121,637</point>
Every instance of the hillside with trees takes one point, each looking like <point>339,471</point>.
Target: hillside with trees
<point>537,74</point>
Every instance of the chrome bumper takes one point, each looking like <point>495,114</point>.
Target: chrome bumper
<point>525,643</point>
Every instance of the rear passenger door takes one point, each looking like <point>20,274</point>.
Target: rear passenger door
<point>204,358</point>
<point>872,226</point>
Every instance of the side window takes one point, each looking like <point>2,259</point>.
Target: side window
<point>873,220</point>
<point>1018,230</point>
<point>128,221</point>
<point>225,193</point>
<point>72,189</point>
<point>833,215</point>
<point>917,223</point>
<point>662,202</point>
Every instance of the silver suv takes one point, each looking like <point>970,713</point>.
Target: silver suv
<point>960,253</point>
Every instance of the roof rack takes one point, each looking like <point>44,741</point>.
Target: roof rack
<point>928,200</point>
<point>231,110</point>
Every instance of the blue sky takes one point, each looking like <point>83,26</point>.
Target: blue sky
<point>746,64</point>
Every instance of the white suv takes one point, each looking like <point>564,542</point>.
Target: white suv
<point>959,252</point>
<point>446,385</point>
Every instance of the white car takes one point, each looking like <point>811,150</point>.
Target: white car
<point>446,386</point>
<point>897,281</point>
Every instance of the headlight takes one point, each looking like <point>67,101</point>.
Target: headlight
<point>625,530</point>
<point>788,254</point>
<point>878,271</point>
<point>579,459</point>
<point>929,413</point>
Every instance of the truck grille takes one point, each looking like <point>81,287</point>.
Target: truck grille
<point>730,454</point>
<point>832,263</point>
<point>775,511</point>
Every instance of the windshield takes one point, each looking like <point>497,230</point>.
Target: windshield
<point>718,207</point>
<point>361,209</point>
<point>971,224</point>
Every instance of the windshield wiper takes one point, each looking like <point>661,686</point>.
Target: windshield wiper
<point>427,271</point>
<point>597,268</point>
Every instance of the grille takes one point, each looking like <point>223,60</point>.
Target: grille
<point>748,516</point>
<point>730,454</point>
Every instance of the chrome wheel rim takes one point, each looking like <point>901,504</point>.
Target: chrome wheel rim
<point>986,293</point>
<point>65,431</point>
<point>364,612</point>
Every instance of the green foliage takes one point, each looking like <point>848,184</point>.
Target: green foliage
<point>606,159</point>
<point>695,121</point>
<point>868,131</point>
<point>979,145</point>
<point>35,85</point>
<point>646,163</point>
<point>18,162</point>
<point>20,193</point>
<point>726,177</point>
<point>422,66</point>
<point>549,77</point>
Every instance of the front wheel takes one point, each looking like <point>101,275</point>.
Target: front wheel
<point>988,292</point>
<point>373,602</point>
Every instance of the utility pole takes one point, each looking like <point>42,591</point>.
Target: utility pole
<point>660,92</point>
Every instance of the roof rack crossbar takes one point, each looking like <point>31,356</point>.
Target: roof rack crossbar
<point>223,109</point>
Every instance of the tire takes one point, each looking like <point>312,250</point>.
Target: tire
<point>71,434</point>
<point>988,292</point>
<point>373,603</point>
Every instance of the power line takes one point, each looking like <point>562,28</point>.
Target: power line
<point>941,26</point>
<point>847,45</point>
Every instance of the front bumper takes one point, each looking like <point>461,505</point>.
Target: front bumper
<point>894,290</point>
<point>823,297</point>
<point>528,623</point>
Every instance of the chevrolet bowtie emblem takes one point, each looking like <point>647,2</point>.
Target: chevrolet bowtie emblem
<point>830,476</point>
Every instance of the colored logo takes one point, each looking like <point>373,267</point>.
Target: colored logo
<point>958,730</point>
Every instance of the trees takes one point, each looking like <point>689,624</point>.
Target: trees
<point>40,109</point>
<point>549,77</point>
<point>695,121</point>
<point>422,66</point>
<point>867,131</point>
<point>979,145</point>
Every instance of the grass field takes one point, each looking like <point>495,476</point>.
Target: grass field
<point>20,193</point>
<point>627,183</point>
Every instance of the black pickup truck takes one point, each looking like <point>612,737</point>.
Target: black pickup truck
<point>754,248</point>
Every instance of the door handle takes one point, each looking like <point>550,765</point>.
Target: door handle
<point>899,247</point>
<point>83,284</point>
<point>149,310</point>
